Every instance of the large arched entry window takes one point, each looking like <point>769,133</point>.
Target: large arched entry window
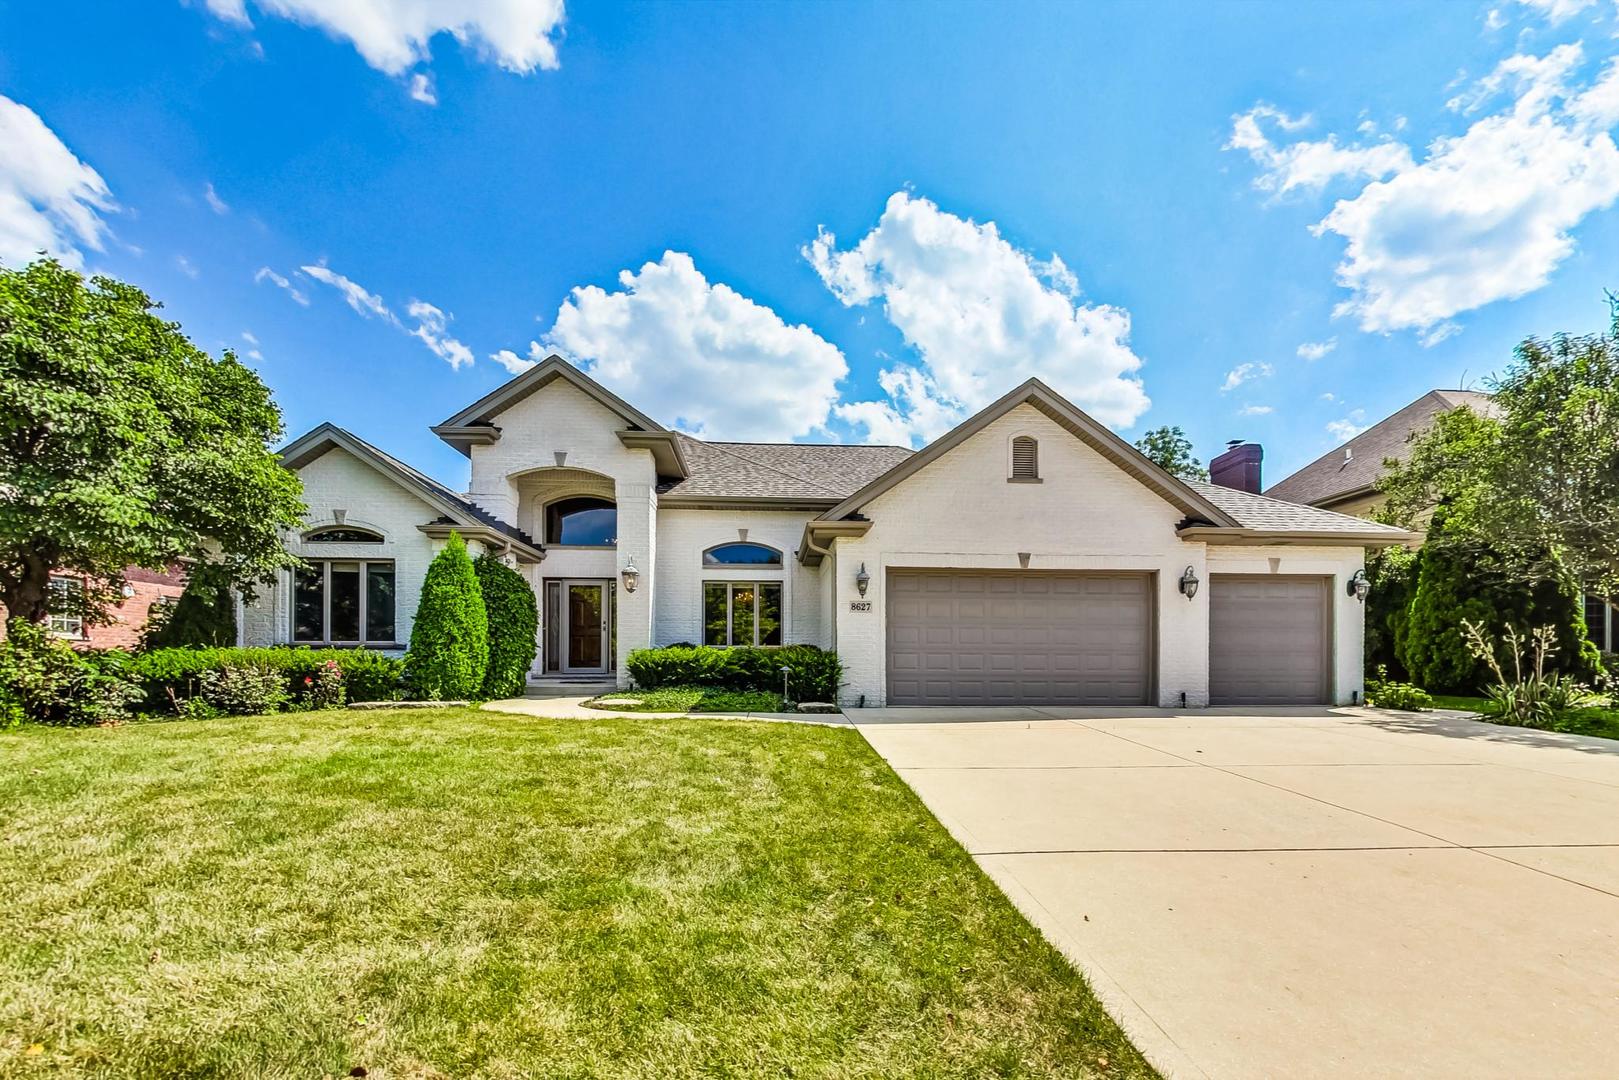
<point>584,521</point>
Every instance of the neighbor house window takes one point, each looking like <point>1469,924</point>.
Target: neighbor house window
<point>1025,458</point>
<point>1599,623</point>
<point>582,522</point>
<point>742,554</point>
<point>345,601</point>
<point>66,606</point>
<point>741,613</point>
<point>343,536</point>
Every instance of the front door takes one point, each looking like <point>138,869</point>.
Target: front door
<point>585,648</point>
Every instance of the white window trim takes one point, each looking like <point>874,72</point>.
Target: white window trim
<point>75,621</point>
<point>325,564</point>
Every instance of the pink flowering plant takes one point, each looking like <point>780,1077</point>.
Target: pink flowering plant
<point>324,689</point>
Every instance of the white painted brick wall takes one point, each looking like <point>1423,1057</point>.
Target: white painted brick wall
<point>338,481</point>
<point>683,536</point>
<point>1086,514</point>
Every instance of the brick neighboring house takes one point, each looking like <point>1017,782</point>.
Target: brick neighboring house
<point>143,590</point>
<point>1345,479</point>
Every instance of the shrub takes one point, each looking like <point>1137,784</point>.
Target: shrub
<point>204,616</point>
<point>449,644</point>
<point>1396,695</point>
<point>170,677</point>
<point>47,681</point>
<point>814,674</point>
<point>245,690</point>
<point>324,689</point>
<point>514,619</point>
<point>1534,697</point>
<point>1391,573</point>
<point>1459,583</point>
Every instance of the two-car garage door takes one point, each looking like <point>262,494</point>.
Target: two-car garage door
<point>964,638</point>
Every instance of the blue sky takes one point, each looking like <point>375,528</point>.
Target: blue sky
<point>772,221</point>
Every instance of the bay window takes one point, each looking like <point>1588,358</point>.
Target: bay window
<point>741,613</point>
<point>343,601</point>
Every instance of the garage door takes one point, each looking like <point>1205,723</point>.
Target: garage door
<point>1018,639</point>
<point>1269,641</point>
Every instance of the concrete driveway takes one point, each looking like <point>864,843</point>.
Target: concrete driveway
<point>1302,892</point>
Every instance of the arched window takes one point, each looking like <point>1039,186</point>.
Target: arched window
<point>343,535</point>
<point>742,554</point>
<point>584,521</point>
<point>1025,458</point>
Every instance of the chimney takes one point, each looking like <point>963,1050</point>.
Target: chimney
<point>1238,467</point>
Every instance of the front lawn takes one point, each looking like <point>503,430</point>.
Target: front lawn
<point>699,699</point>
<point>458,893</point>
<point>1601,722</point>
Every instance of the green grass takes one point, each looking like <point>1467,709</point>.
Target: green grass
<point>462,893</point>
<point>1600,722</point>
<point>704,699</point>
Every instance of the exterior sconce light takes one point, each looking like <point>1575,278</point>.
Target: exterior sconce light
<point>631,576</point>
<point>1189,583</point>
<point>862,580</point>
<point>1358,586</point>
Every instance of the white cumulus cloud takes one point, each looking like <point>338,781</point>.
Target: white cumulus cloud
<point>1306,164</point>
<point>282,282</point>
<point>422,90</point>
<point>354,294</point>
<point>1350,426</point>
<point>432,323</point>
<point>981,316</point>
<point>1244,373</point>
<point>49,200</point>
<point>698,352</point>
<point>215,203</point>
<point>432,327</point>
<point>1487,214</point>
<point>514,363</point>
<point>1256,410</point>
<point>1315,350</point>
<point>395,35</point>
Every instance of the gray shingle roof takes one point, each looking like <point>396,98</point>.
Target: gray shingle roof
<point>810,471</point>
<point>1265,514</point>
<point>1332,475</point>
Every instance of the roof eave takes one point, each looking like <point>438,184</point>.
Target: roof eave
<point>667,456</point>
<point>811,553</point>
<point>538,377</point>
<point>1379,538</point>
<point>487,534</point>
<point>743,502</point>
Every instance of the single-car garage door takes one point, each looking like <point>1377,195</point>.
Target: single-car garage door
<point>1269,640</point>
<point>963,638</point>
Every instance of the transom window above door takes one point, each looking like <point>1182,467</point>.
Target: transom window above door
<point>741,613</point>
<point>741,554</point>
<point>342,535</point>
<point>584,521</point>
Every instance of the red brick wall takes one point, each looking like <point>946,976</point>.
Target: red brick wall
<point>130,613</point>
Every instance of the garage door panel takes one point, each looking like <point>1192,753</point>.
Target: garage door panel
<point>987,638</point>
<point>1269,640</point>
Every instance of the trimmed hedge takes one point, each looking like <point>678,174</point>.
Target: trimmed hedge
<point>449,642</point>
<point>514,619</point>
<point>814,676</point>
<point>367,675</point>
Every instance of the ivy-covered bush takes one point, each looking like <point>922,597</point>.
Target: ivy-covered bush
<point>1457,583</point>
<point>813,675</point>
<point>449,643</point>
<point>49,682</point>
<point>514,619</point>
<point>171,677</point>
<point>203,617</point>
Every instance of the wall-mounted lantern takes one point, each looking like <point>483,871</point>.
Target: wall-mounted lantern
<point>631,576</point>
<point>1359,586</point>
<point>862,580</point>
<point>1189,583</point>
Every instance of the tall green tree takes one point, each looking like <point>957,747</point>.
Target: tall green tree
<point>122,443</point>
<point>204,616</point>
<point>514,620</point>
<point>449,641</point>
<point>1536,479</point>
<point>1171,450</point>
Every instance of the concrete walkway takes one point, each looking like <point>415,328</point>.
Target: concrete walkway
<point>573,708</point>
<point>1301,893</point>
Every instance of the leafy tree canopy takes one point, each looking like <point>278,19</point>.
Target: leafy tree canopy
<point>1171,450</point>
<point>1535,485</point>
<point>121,443</point>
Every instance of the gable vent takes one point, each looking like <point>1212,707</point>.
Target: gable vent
<point>1025,458</point>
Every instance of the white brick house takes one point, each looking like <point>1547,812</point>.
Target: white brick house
<point>1030,555</point>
